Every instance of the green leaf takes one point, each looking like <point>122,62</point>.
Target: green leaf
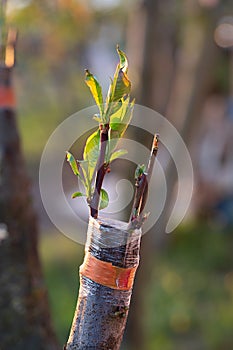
<point>84,168</point>
<point>78,194</point>
<point>118,154</point>
<point>95,89</point>
<point>123,86</point>
<point>123,60</point>
<point>119,87</point>
<point>91,152</point>
<point>74,166</point>
<point>122,116</point>
<point>140,170</point>
<point>113,107</point>
<point>104,199</point>
<point>126,118</point>
<point>119,122</point>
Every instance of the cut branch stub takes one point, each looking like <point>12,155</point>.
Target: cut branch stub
<point>142,178</point>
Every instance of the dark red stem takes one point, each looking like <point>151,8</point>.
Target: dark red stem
<point>101,170</point>
<point>149,171</point>
<point>141,184</point>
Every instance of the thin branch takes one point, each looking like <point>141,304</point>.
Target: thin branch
<point>101,170</point>
<point>149,170</point>
<point>141,184</point>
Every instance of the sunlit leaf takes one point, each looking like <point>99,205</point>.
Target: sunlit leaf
<point>118,154</point>
<point>104,199</point>
<point>123,60</point>
<point>115,121</point>
<point>83,164</point>
<point>72,161</point>
<point>78,194</point>
<point>95,89</point>
<point>126,117</point>
<point>120,85</point>
<point>91,152</point>
<point>83,169</point>
<point>113,107</point>
<point>121,116</point>
<point>117,113</point>
<point>120,120</point>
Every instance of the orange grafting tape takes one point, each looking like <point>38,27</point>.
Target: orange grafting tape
<point>7,97</point>
<point>106,274</point>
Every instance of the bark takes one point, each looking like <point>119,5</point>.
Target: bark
<point>24,318</point>
<point>102,311</point>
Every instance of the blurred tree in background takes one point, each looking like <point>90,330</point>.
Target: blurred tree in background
<point>25,318</point>
<point>179,69</point>
<point>182,57</point>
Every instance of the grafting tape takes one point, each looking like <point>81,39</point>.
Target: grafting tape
<point>111,254</point>
<point>108,275</point>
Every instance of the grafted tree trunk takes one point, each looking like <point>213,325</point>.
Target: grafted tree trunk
<point>24,316</point>
<point>106,281</point>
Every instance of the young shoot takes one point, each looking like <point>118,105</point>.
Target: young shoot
<point>100,149</point>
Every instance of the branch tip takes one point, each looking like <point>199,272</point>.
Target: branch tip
<point>156,142</point>
<point>141,183</point>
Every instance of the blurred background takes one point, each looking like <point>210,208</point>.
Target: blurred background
<point>181,65</point>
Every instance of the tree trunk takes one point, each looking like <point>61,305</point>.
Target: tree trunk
<point>177,89</point>
<point>106,281</point>
<point>158,41</point>
<point>24,317</point>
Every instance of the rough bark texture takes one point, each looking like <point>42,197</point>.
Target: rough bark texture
<point>101,312</point>
<point>24,317</point>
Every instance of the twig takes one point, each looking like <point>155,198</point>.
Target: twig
<point>140,186</point>
<point>149,170</point>
<point>141,183</point>
<point>101,170</point>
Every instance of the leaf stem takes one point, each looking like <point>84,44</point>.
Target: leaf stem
<point>101,170</point>
<point>141,183</point>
